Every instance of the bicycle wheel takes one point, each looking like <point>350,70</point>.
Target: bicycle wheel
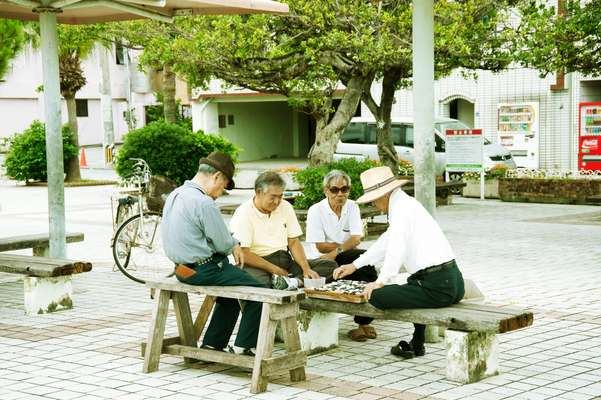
<point>138,248</point>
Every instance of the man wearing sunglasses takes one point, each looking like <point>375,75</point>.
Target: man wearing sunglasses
<point>334,230</point>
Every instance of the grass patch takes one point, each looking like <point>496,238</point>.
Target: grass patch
<point>82,182</point>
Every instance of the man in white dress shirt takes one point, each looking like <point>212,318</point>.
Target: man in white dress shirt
<point>334,230</point>
<point>415,240</point>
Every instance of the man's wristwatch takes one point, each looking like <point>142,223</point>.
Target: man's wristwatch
<point>339,250</point>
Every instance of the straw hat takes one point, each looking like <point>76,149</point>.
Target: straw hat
<point>223,163</point>
<point>377,182</point>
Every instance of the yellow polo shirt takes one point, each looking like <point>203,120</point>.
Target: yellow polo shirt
<point>264,234</point>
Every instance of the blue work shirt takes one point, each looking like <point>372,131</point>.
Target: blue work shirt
<point>192,227</point>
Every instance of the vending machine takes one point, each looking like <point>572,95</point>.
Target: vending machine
<point>518,131</point>
<point>589,136</point>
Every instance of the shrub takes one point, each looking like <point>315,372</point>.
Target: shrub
<point>311,179</point>
<point>170,150</point>
<point>495,172</point>
<point>26,157</point>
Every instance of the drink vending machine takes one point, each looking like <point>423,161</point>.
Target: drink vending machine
<point>589,136</point>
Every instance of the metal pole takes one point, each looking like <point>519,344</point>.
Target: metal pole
<point>423,103</point>
<point>54,142</point>
<point>106,103</point>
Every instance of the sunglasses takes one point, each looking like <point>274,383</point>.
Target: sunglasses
<point>336,189</point>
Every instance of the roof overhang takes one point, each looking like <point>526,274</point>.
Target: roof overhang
<point>93,11</point>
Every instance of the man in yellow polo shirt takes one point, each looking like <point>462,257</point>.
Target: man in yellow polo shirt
<point>268,231</point>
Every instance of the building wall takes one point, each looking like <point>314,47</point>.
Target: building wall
<point>21,99</point>
<point>261,129</point>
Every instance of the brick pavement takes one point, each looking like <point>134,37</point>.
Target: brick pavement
<point>543,257</point>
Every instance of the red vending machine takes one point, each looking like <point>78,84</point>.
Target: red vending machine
<point>589,136</point>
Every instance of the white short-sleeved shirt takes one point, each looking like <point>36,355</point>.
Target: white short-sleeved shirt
<point>324,226</point>
<point>264,234</point>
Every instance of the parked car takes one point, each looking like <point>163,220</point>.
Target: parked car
<point>359,140</point>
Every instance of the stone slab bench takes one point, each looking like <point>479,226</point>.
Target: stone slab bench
<point>470,334</point>
<point>47,282</point>
<point>39,242</point>
<point>278,306</point>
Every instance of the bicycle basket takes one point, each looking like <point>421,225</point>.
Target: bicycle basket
<point>160,186</point>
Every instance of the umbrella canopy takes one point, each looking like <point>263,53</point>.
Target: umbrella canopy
<point>93,11</point>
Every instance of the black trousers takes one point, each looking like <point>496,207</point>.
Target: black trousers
<point>366,274</point>
<point>284,260</point>
<point>422,290</point>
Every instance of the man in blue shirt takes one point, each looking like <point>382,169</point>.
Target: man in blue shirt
<point>196,238</point>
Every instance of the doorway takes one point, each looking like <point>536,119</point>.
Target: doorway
<point>463,111</point>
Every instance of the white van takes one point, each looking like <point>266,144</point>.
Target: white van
<point>359,140</point>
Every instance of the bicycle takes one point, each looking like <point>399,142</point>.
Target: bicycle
<point>137,245</point>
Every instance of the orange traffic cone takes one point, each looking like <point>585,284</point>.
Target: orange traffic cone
<point>83,163</point>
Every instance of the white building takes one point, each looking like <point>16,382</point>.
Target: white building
<point>21,98</point>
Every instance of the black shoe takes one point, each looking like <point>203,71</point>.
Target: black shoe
<point>209,347</point>
<point>244,352</point>
<point>407,350</point>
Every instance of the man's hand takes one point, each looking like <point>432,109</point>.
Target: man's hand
<point>370,287</point>
<point>310,274</point>
<point>238,255</point>
<point>344,270</point>
<point>280,271</point>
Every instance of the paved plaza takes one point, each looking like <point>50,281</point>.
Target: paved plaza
<point>546,258</point>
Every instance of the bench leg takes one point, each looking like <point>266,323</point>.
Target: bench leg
<point>292,340</point>
<point>264,349</point>
<point>46,295</point>
<point>156,333</point>
<point>471,356</point>
<point>318,330</point>
<point>183,316</point>
<point>203,316</point>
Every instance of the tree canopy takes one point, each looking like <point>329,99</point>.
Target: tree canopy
<point>12,39</point>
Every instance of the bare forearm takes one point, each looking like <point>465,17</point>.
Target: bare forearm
<point>351,243</point>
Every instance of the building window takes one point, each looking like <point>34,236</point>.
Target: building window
<point>120,54</point>
<point>81,107</point>
<point>222,121</point>
<point>230,119</point>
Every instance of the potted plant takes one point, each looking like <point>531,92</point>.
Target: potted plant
<point>491,182</point>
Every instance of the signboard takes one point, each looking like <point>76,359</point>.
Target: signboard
<point>464,150</point>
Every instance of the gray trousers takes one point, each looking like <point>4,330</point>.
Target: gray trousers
<point>284,260</point>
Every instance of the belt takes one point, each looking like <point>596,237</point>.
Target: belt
<point>187,270</point>
<point>439,267</point>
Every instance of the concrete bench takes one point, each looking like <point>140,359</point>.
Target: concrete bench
<point>47,282</point>
<point>40,242</point>
<point>471,329</point>
<point>278,306</point>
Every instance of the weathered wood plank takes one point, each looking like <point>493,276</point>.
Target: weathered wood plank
<point>291,361</point>
<point>36,240</point>
<point>203,316</point>
<point>41,266</point>
<point>221,357</point>
<point>183,317</point>
<point>453,317</point>
<point>265,341</point>
<point>262,295</point>
<point>293,344</point>
<point>156,333</point>
<point>166,342</point>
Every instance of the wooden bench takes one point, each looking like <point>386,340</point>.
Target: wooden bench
<point>471,329</point>
<point>47,282</point>
<point>40,242</point>
<point>278,306</point>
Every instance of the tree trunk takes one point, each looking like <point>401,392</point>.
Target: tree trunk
<point>169,105</point>
<point>328,131</point>
<point>386,151</point>
<point>73,173</point>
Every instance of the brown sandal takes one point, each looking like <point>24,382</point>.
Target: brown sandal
<point>369,331</point>
<point>357,335</point>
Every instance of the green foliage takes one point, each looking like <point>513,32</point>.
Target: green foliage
<point>495,172</point>
<point>12,39</point>
<point>311,179</point>
<point>26,158</point>
<point>170,150</point>
<point>156,113</point>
